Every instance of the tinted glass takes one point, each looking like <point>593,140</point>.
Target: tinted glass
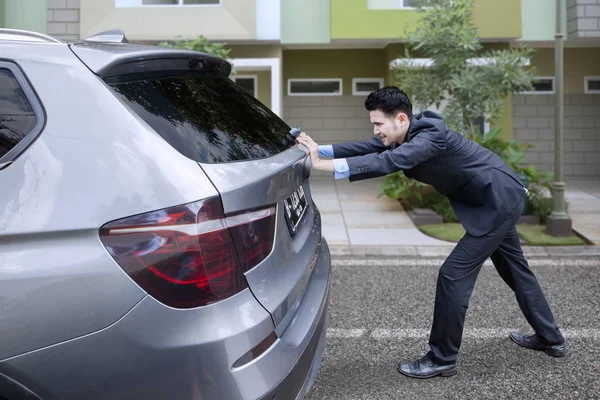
<point>207,119</point>
<point>315,87</point>
<point>367,86</point>
<point>17,118</point>
<point>192,2</point>
<point>593,84</point>
<point>417,3</point>
<point>542,85</point>
<point>159,2</point>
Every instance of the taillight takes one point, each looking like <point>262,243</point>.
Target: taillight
<point>187,256</point>
<point>253,234</point>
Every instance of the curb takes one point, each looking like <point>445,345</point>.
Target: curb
<point>342,251</point>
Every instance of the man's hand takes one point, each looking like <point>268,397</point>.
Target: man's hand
<point>313,150</point>
<point>311,145</point>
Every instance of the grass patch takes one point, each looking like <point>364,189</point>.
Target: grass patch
<point>450,231</point>
<point>534,235</point>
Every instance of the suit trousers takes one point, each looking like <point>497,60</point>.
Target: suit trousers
<point>457,277</point>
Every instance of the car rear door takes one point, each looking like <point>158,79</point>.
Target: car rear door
<point>254,163</point>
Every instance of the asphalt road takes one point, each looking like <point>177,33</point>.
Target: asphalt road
<point>380,313</point>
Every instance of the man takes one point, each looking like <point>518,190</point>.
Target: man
<point>487,199</point>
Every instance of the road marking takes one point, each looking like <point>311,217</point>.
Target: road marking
<point>345,333</point>
<point>479,333</point>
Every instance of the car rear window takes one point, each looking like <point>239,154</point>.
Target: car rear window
<point>17,117</point>
<point>208,119</point>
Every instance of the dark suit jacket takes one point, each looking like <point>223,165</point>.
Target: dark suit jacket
<point>482,189</point>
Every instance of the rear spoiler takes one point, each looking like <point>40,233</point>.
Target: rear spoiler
<point>117,59</point>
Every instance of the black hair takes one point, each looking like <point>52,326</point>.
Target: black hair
<point>390,100</point>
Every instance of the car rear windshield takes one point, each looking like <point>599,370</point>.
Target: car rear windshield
<point>208,119</point>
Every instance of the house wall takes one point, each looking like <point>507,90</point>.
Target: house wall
<point>27,15</point>
<point>352,19</point>
<point>533,119</point>
<point>234,19</point>
<point>345,64</point>
<point>305,21</point>
<point>63,19</point>
<point>583,18</point>
<point>533,115</point>
<point>331,119</point>
<point>539,20</point>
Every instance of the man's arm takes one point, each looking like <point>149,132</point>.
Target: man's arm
<point>352,149</point>
<point>359,148</point>
<point>429,143</point>
<point>338,167</point>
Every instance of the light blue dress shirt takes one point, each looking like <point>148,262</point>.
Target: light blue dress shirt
<point>340,165</point>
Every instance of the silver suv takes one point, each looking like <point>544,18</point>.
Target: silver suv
<point>158,239</point>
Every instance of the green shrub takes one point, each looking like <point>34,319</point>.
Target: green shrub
<point>414,194</point>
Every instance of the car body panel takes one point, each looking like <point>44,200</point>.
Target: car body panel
<point>58,193</point>
<point>179,355</point>
<point>77,325</point>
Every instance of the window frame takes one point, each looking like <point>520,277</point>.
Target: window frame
<point>254,77</point>
<point>551,78</point>
<point>339,80</point>
<point>38,111</point>
<point>586,79</point>
<point>180,4</point>
<point>356,92</point>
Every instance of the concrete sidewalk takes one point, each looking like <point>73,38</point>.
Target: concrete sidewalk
<point>356,221</point>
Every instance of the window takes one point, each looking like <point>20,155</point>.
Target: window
<point>20,114</point>
<point>180,2</point>
<point>417,3</point>
<point>592,84</point>
<point>314,87</point>
<point>482,124</point>
<point>364,86</point>
<point>399,4</point>
<point>542,85</point>
<point>207,119</point>
<point>247,82</point>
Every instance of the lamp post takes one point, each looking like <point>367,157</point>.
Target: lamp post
<point>558,223</point>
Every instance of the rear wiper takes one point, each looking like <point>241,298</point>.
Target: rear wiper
<point>296,131</point>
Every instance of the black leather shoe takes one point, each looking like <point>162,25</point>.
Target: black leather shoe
<point>533,341</point>
<point>425,368</point>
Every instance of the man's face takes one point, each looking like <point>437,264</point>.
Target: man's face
<point>390,129</point>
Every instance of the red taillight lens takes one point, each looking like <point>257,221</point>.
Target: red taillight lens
<point>253,234</point>
<point>185,256</point>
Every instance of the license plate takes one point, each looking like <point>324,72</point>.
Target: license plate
<point>295,208</point>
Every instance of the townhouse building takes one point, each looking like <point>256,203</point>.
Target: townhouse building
<point>314,61</point>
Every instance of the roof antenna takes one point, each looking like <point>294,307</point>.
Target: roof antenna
<point>112,36</point>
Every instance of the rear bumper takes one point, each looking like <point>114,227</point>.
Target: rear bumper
<point>298,381</point>
<point>155,352</point>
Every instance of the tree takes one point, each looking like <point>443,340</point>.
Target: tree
<point>469,88</point>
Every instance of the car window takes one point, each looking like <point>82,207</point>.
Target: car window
<point>208,119</point>
<point>17,117</point>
